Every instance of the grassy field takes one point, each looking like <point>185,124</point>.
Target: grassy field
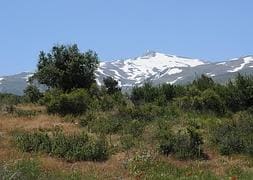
<point>129,158</point>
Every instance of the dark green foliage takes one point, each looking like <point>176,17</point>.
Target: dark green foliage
<point>106,103</point>
<point>207,101</point>
<point>134,127</point>
<point>75,147</point>
<point>127,142</point>
<point>75,102</point>
<point>65,67</point>
<point>31,169</point>
<point>9,99</point>
<point>22,170</point>
<point>203,83</point>
<point>184,143</point>
<point>239,94</point>
<point>24,113</point>
<point>34,142</point>
<point>142,112</point>
<point>146,93</point>
<point>104,125</point>
<point>169,91</point>
<point>111,85</point>
<point>211,101</point>
<point>235,135</point>
<point>32,94</point>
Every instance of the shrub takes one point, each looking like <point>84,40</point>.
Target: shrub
<point>206,102</point>
<point>87,118</point>
<point>75,102</point>
<point>74,147</point>
<point>204,82</point>
<point>23,170</point>
<point>142,112</point>
<point>111,85</point>
<point>184,144</point>
<point>106,103</point>
<point>134,127</point>
<point>235,135</point>
<point>33,142</point>
<point>212,102</point>
<point>127,142</point>
<point>104,125</point>
<point>32,94</point>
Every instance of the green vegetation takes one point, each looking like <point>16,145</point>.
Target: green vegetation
<point>76,147</point>
<point>235,135</point>
<point>65,67</point>
<point>202,130</point>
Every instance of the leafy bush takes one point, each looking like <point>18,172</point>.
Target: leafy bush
<point>142,112</point>
<point>134,127</point>
<point>8,102</point>
<point>184,144</point>
<point>127,142</point>
<point>75,102</point>
<point>107,103</point>
<point>111,85</point>
<point>23,170</point>
<point>75,147</point>
<point>212,102</point>
<point>104,125</point>
<point>204,82</point>
<point>32,94</point>
<point>207,101</point>
<point>235,135</point>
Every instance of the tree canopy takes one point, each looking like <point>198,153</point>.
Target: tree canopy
<point>65,67</point>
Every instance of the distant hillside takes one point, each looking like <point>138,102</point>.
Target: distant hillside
<point>154,67</point>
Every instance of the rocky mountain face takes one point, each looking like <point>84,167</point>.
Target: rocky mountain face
<point>153,67</point>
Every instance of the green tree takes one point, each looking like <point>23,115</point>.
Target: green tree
<point>32,94</point>
<point>111,85</point>
<point>211,101</point>
<point>65,67</point>
<point>204,82</point>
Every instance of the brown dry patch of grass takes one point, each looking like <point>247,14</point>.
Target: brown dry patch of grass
<point>111,168</point>
<point>216,163</point>
<point>10,123</point>
<point>31,107</point>
<point>7,151</point>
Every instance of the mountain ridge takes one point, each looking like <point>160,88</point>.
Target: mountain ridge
<point>153,67</point>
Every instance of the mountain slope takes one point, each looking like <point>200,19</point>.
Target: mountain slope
<point>154,67</point>
<point>135,71</point>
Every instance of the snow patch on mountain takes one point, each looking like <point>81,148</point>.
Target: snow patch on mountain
<point>247,60</point>
<point>221,63</point>
<point>173,82</point>
<point>210,74</point>
<point>1,80</point>
<point>151,64</point>
<point>27,77</point>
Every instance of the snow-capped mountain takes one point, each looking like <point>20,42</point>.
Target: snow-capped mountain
<point>153,67</point>
<point>135,71</point>
<point>160,68</point>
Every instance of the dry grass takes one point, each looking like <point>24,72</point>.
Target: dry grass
<point>31,107</point>
<point>9,123</point>
<point>109,169</point>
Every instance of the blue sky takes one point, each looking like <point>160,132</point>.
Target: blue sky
<point>117,29</point>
